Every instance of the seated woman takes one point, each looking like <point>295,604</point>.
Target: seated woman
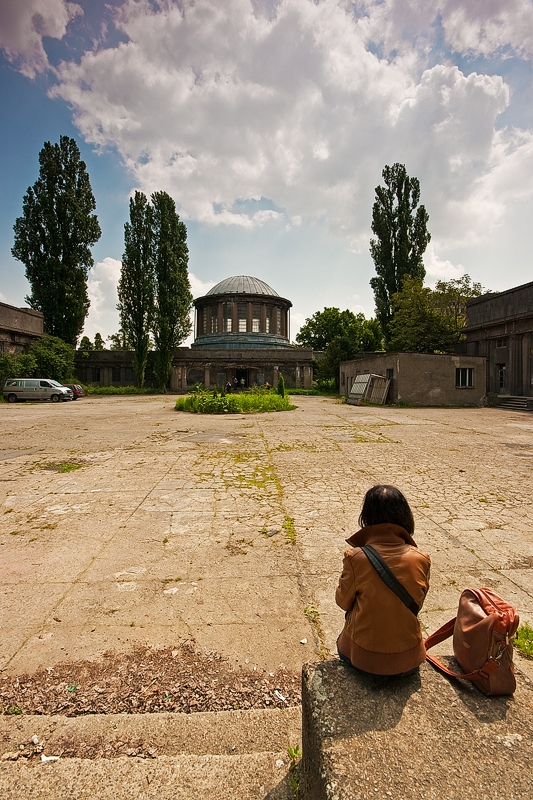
<point>381,634</point>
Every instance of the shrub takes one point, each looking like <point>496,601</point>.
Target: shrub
<point>119,390</point>
<point>242,403</point>
<point>281,385</point>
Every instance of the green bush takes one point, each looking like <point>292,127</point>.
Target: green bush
<point>119,390</point>
<point>242,403</point>
<point>54,359</point>
<point>16,366</point>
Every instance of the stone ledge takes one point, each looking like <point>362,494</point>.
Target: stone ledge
<point>421,737</point>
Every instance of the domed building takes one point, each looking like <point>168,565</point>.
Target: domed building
<point>241,337</point>
<point>242,312</point>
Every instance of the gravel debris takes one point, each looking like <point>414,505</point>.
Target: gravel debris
<point>148,680</point>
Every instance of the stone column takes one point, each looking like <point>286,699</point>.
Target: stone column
<point>207,381</point>
<point>220,312</point>
<point>248,316</point>
<point>263,322</point>
<point>235,317</point>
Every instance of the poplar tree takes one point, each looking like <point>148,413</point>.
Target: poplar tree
<point>400,228</point>
<point>136,285</point>
<point>53,238</point>
<point>173,298</point>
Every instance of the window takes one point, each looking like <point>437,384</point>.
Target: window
<point>390,374</point>
<point>214,321</point>
<point>95,374</point>
<point>204,321</point>
<point>268,321</point>
<point>115,374</point>
<point>464,377</point>
<point>241,313</point>
<point>228,317</point>
<point>256,317</point>
<point>343,379</point>
<point>501,342</point>
<point>128,374</point>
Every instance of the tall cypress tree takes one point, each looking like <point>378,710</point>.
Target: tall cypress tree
<point>53,238</point>
<point>173,298</point>
<point>136,284</point>
<point>401,239</point>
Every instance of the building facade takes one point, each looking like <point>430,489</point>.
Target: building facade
<point>422,378</point>
<point>19,328</point>
<point>499,327</point>
<point>242,336</point>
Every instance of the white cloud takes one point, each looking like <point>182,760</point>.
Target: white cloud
<point>198,286</point>
<point>215,103</point>
<point>24,23</point>
<point>438,269</point>
<point>102,288</point>
<point>469,27</point>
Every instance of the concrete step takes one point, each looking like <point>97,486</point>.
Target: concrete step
<point>518,403</point>
<point>424,737</point>
<point>239,755</point>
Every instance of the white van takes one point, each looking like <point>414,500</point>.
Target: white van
<point>35,389</point>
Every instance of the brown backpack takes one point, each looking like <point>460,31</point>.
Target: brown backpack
<point>483,633</point>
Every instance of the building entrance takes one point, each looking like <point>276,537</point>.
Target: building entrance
<point>242,375</point>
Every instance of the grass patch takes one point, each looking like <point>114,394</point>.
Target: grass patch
<point>120,390</point>
<point>62,466</point>
<point>290,532</point>
<point>524,640</point>
<point>242,403</point>
<point>313,392</point>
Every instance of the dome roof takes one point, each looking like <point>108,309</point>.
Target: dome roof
<point>242,284</point>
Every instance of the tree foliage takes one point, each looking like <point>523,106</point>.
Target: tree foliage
<point>341,335</point>
<point>429,321</point>
<point>136,285</point>
<point>54,358</point>
<point>53,238</point>
<point>99,343</point>
<point>85,344</point>
<point>119,341</point>
<point>401,238</point>
<point>173,298</point>
<point>49,357</point>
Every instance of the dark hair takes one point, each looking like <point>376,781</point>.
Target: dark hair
<point>386,504</point>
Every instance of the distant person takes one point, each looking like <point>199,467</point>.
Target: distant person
<point>243,383</point>
<point>381,634</point>
<point>267,385</point>
<point>235,383</point>
<point>228,387</point>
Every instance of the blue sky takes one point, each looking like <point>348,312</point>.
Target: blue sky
<point>269,122</point>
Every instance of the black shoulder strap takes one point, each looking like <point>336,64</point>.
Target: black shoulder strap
<point>388,577</point>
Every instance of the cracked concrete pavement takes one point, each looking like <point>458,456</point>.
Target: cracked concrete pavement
<point>230,530</point>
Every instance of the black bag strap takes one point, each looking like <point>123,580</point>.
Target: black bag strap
<point>388,577</point>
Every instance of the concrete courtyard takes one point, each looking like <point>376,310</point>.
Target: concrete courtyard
<point>230,530</point>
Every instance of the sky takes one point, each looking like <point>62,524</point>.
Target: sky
<point>269,122</point>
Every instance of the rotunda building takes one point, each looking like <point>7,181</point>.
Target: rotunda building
<point>242,312</point>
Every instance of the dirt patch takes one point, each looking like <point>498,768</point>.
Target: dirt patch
<point>148,680</point>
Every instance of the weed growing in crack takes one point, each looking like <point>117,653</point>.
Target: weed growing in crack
<point>288,527</point>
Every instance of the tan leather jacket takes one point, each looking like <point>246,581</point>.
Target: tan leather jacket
<point>380,634</point>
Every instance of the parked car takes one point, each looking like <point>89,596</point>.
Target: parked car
<point>36,389</point>
<point>76,389</point>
